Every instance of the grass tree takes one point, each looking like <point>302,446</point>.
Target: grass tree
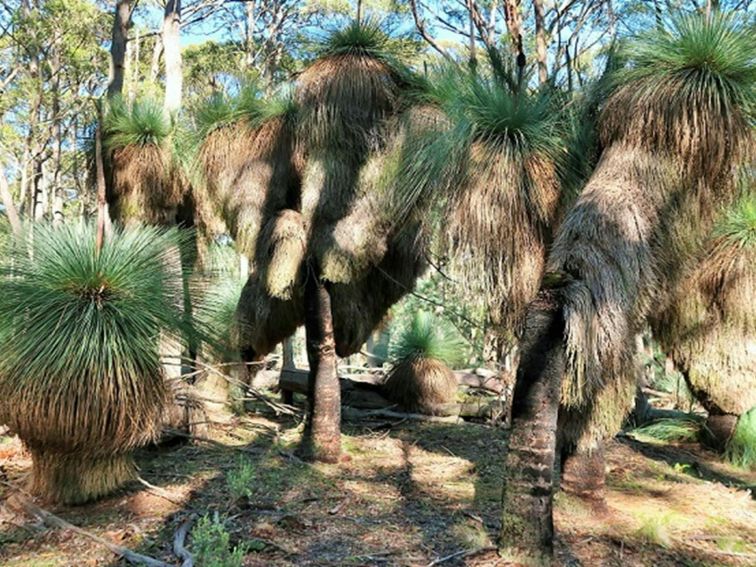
<point>146,184</point>
<point>80,376</point>
<point>496,160</point>
<point>709,326</point>
<point>675,125</point>
<point>422,355</point>
<point>315,215</point>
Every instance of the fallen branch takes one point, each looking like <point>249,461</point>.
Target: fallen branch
<point>463,553</point>
<point>157,491</point>
<point>178,543</point>
<point>54,521</point>
<point>354,413</point>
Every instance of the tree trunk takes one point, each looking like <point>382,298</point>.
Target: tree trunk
<point>157,49</point>
<point>10,208</point>
<point>120,36</point>
<point>172,55</point>
<point>540,34</point>
<point>322,440</point>
<point>287,350</point>
<point>584,475</point>
<point>527,526</point>
<point>720,427</point>
<point>514,27</point>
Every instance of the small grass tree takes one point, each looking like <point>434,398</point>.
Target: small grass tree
<point>80,376</point>
<point>422,355</point>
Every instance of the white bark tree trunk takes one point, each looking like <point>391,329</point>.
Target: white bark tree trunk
<point>172,55</point>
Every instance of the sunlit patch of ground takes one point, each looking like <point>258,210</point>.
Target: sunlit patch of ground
<point>408,495</point>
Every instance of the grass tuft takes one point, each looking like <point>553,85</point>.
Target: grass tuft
<point>428,337</point>
<point>739,225</point>
<point>144,123</point>
<point>239,479</point>
<point>363,38</point>
<point>741,448</point>
<point>210,544</point>
<point>686,428</point>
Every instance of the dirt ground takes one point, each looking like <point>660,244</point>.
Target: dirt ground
<point>409,494</point>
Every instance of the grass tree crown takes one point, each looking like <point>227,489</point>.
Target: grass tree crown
<point>706,64</point>
<point>142,123</point>
<point>81,380</point>
<point>427,336</point>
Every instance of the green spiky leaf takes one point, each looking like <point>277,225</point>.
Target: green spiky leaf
<point>739,224</point>
<point>741,448</point>
<point>143,123</point>
<point>427,336</point>
<point>686,428</point>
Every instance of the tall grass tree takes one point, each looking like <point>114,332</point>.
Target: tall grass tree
<point>314,221</point>
<point>675,126</point>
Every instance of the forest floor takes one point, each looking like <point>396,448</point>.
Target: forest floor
<point>407,494</point>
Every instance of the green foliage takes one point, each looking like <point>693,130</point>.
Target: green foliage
<point>705,58</point>
<point>144,123</point>
<point>739,224</point>
<point>366,38</point>
<point>239,479</point>
<point>686,428</point>
<point>215,310</point>
<point>511,122</point>
<point>210,545</point>
<point>741,448</point>
<point>428,337</point>
<point>249,105</point>
<point>461,311</point>
<point>73,317</point>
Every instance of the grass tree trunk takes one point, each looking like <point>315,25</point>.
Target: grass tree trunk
<point>287,350</point>
<point>527,527</point>
<point>323,431</point>
<point>118,46</point>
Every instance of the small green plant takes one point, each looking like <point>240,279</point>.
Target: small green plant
<point>741,448</point>
<point>239,479</point>
<point>429,337</point>
<point>686,428</point>
<point>210,544</point>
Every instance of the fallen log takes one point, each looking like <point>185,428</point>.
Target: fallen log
<point>178,543</point>
<point>366,394</point>
<point>54,521</point>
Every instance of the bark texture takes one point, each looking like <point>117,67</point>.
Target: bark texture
<point>118,47</point>
<point>172,55</point>
<point>527,526</point>
<point>322,441</point>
